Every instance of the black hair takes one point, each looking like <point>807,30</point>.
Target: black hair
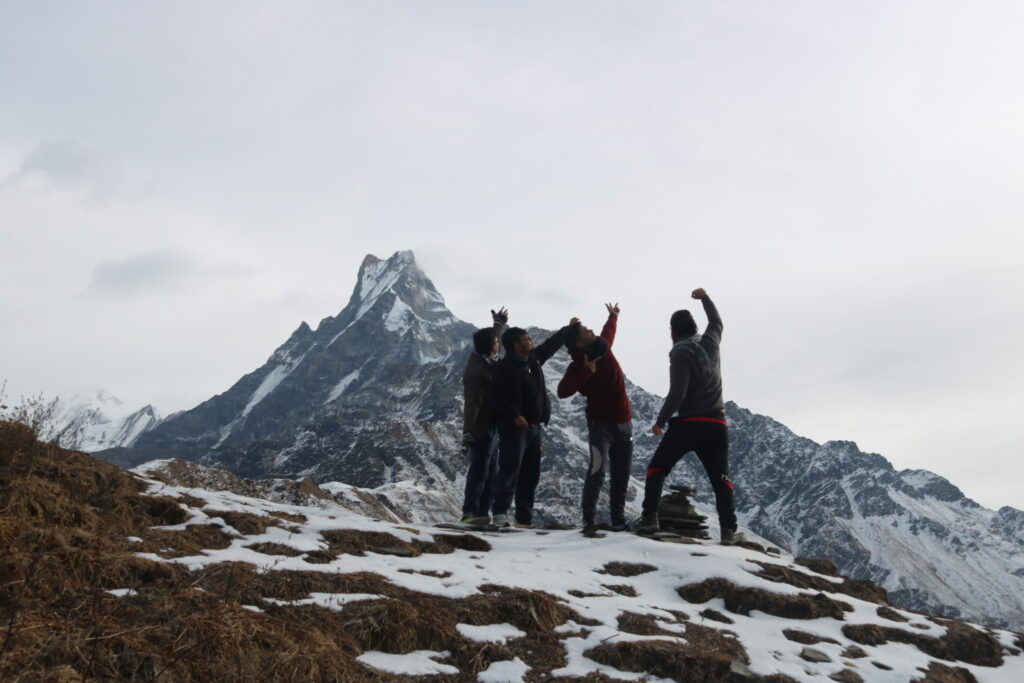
<point>483,340</point>
<point>683,324</point>
<point>572,334</point>
<point>511,336</point>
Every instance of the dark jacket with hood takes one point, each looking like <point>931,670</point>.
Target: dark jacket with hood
<point>518,387</point>
<point>478,415</point>
<point>605,388</point>
<point>695,373</point>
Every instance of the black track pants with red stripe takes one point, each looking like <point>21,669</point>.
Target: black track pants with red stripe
<point>710,441</point>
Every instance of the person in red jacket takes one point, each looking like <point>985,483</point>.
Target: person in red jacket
<point>595,374</point>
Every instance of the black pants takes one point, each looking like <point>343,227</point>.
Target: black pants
<point>519,453</point>
<point>710,441</point>
<point>483,466</point>
<point>611,448</point>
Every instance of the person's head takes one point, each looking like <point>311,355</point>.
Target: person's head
<point>517,342</point>
<point>683,325</point>
<point>485,341</point>
<point>578,336</point>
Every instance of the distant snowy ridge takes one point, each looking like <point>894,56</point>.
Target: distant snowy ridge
<point>100,421</point>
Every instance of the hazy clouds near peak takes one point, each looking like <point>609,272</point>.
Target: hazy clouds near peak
<point>159,270</point>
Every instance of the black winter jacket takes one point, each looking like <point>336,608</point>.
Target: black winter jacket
<point>518,386</point>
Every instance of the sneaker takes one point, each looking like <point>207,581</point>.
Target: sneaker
<point>624,526</point>
<point>524,525</point>
<point>648,524</point>
<point>500,521</point>
<point>732,537</point>
<point>467,518</point>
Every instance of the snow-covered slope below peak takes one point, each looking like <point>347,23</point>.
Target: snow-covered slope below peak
<point>622,606</point>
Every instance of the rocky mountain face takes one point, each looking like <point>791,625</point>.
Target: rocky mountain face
<point>373,398</point>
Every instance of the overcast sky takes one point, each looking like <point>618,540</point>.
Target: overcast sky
<point>181,184</point>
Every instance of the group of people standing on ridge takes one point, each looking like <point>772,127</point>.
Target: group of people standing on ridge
<point>507,404</point>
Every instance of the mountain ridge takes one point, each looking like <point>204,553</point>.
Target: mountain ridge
<point>373,397</point>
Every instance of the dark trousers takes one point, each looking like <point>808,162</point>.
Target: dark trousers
<point>611,448</point>
<point>519,453</point>
<point>710,441</point>
<point>483,466</point>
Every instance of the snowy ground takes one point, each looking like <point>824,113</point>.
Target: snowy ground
<point>569,566</point>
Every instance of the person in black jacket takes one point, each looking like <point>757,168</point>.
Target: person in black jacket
<point>522,406</point>
<point>695,414</point>
<point>479,437</point>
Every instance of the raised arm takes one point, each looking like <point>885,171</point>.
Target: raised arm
<point>500,318</point>
<point>714,329</point>
<point>543,352</point>
<point>608,332</point>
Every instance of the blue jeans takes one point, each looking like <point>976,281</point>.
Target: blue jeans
<point>519,454</point>
<point>483,466</point>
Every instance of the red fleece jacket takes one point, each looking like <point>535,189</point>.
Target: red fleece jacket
<point>605,388</point>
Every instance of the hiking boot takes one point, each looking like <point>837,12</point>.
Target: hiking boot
<point>732,537</point>
<point>500,521</point>
<point>590,531</point>
<point>622,526</point>
<point>648,524</point>
<point>478,521</point>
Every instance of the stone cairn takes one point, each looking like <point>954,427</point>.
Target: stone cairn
<point>677,515</point>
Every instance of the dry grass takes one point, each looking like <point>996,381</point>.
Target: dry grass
<point>960,642</point>
<point>865,590</point>
<point>805,638</point>
<point>64,522</point>
<point>664,659</point>
<point>642,625</point>
<point>940,673</point>
<point>626,569</point>
<point>742,600</point>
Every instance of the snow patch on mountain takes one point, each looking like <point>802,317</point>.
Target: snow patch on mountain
<point>270,382</point>
<point>343,384</point>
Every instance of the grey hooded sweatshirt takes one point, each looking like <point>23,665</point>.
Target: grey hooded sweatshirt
<point>695,373</point>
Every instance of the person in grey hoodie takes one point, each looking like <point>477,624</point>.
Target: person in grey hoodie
<point>479,436</point>
<point>695,414</point>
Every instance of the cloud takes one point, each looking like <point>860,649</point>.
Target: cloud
<point>161,270</point>
<point>68,165</point>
